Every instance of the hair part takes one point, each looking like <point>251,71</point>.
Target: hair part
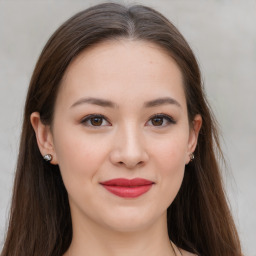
<point>199,219</point>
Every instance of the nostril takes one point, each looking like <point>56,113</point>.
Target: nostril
<point>130,165</point>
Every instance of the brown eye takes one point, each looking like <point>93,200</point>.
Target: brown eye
<point>96,121</point>
<point>161,120</point>
<point>157,121</point>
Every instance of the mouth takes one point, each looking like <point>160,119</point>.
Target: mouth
<point>128,188</point>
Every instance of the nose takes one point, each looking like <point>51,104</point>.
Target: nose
<point>129,149</point>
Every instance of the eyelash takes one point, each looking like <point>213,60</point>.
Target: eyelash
<point>168,119</point>
<point>87,119</point>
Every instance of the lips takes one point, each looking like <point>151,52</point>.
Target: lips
<point>128,188</point>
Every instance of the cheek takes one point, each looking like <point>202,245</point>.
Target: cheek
<point>170,158</point>
<point>171,153</point>
<point>172,162</point>
<point>78,157</point>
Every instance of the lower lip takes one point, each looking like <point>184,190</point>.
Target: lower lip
<point>128,192</point>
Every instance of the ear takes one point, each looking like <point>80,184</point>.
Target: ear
<point>43,136</point>
<point>193,136</point>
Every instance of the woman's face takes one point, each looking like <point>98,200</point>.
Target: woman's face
<point>121,114</point>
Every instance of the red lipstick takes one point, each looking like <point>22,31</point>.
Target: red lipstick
<point>128,188</point>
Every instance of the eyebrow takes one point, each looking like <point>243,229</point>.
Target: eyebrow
<point>95,101</point>
<point>161,101</point>
<point>107,103</point>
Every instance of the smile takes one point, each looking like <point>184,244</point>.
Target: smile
<point>128,188</point>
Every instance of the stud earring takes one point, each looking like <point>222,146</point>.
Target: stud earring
<point>47,157</point>
<point>192,157</point>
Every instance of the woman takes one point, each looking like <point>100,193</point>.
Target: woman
<point>118,147</point>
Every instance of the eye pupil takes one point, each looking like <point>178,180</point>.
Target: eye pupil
<point>96,121</point>
<point>157,121</point>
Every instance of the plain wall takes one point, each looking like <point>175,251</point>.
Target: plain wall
<point>223,37</point>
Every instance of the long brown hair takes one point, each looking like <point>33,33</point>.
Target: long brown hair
<point>199,219</point>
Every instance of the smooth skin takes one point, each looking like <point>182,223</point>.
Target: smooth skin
<point>120,112</point>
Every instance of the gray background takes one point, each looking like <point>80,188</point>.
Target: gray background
<point>223,36</point>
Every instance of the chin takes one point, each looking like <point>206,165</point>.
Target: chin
<point>127,226</point>
<point>130,221</point>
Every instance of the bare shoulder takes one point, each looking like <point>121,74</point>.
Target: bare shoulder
<point>186,253</point>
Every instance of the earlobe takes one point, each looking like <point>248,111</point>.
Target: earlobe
<point>43,136</point>
<point>193,137</point>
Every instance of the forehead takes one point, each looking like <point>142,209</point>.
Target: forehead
<point>123,69</point>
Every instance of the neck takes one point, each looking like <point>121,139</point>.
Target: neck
<point>90,239</point>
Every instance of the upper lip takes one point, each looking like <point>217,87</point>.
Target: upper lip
<point>122,182</point>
